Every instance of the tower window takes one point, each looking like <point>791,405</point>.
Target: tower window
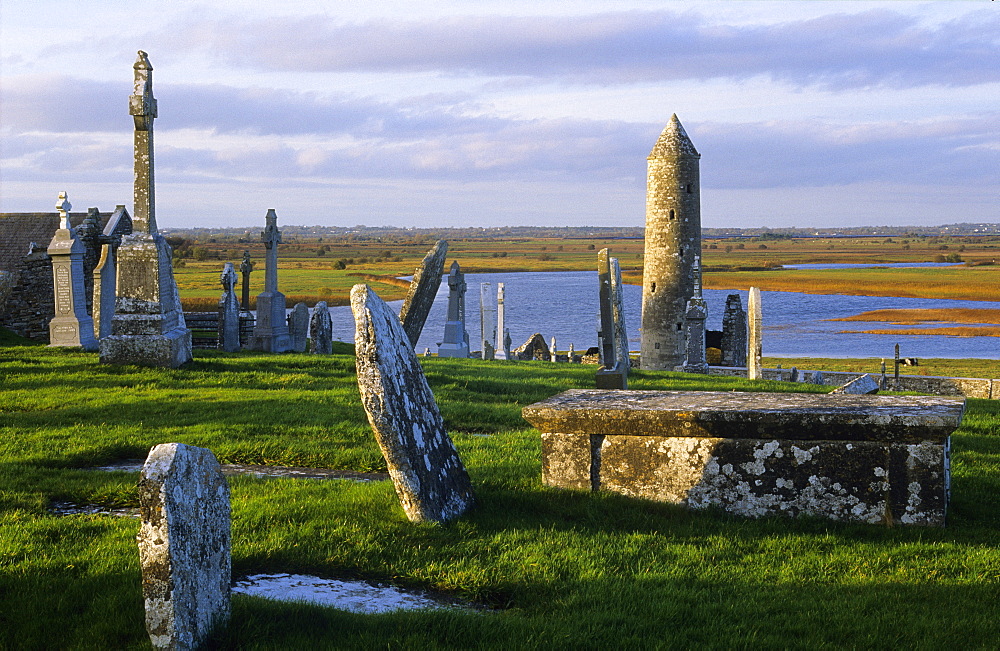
<point>672,213</point>
<point>679,328</point>
<point>688,188</point>
<point>652,288</point>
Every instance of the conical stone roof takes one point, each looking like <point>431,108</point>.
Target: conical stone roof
<point>674,142</point>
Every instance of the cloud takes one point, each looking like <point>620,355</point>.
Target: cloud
<point>878,47</point>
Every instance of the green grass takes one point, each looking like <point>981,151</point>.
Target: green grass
<point>555,569</point>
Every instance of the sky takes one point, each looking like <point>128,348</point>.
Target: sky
<point>480,113</point>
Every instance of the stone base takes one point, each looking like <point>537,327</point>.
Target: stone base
<point>611,378</point>
<point>71,331</point>
<point>279,343</point>
<point>168,351</point>
<point>454,350</point>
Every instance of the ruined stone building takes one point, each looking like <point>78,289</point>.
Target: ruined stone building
<point>673,242</point>
<point>26,296</point>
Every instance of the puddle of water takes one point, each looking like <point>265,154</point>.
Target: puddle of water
<point>71,508</point>
<point>135,465</point>
<point>353,596</point>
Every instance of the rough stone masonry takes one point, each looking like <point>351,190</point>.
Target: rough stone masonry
<point>429,477</point>
<point>184,545</point>
<point>870,459</point>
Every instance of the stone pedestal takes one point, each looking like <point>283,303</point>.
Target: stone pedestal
<point>869,459</point>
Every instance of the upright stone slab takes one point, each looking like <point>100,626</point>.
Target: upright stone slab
<point>694,318</point>
<point>184,545</point>
<point>423,289</point>
<point>501,352</point>
<point>71,325</point>
<point>734,333</point>
<point>148,327</point>
<point>754,330</point>
<point>229,311</point>
<point>245,268</point>
<point>321,329</point>
<point>613,337</point>
<point>456,337</point>
<point>298,327</point>
<point>487,319</point>
<point>270,333</point>
<point>105,277</point>
<point>429,477</point>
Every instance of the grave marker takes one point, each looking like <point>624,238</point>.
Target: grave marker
<point>694,317</point>
<point>321,329</point>
<point>456,338</point>
<point>298,327</point>
<point>501,352</point>
<point>423,289</point>
<point>71,325</point>
<point>245,268</point>
<point>270,332</point>
<point>734,333</point>
<point>613,338</point>
<point>428,475</point>
<point>229,311</point>
<point>754,347</point>
<point>184,545</point>
<point>487,319</point>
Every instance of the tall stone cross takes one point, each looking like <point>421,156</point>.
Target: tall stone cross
<point>270,332</point>
<point>142,107</point>
<point>245,268</point>
<point>271,237</point>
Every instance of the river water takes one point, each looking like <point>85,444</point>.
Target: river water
<point>564,305</point>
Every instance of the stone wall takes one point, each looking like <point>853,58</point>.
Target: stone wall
<point>30,303</point>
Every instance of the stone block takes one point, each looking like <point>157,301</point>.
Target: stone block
<point>184,545</point>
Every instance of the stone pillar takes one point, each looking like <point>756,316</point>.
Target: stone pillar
<point>229,311</point>
<point>613,337</point>
<point>423,289</point>
<point>298,327</point>
<point>734,333</point>
<point>456,338</point>
<point>321,329</point>
<point>148,327</point>
<point>672,240</point>
<point>184,545</point>
<point>694,317</point>
<point>71,325</point>
<point>754,346</point>
<point>487,318</point>
<point>245,268</point>
<point>425,468</point>
<point>270,333</point>
<point>502,352</point>
<point>606,335</point>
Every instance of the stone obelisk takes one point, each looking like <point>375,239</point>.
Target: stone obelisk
<point>148,327</point>
<point>673,240</point>
<point>71,325</point>
<point>270,333</point>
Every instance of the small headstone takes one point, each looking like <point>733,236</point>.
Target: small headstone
<point>572,354</point>
<point>861,386</point>
<point>501,352</point>
<point>456,338</point>
<point>184,545</point>
<point>321,329</point>
<point>423,289</point>
<point>229,311</point>
<point>427,352</point>
<point>552,349</point>
<point>506,343</point>
<point>754,328</point>
<point>487,319</point>
<point>734,333</point>
<point>488,351</point>
<point>817,378</point>
<point>298,327</point>
<point>794,376</point>
<point>428,475</point>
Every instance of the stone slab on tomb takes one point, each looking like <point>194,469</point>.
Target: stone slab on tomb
<point>870,459</point>
<point>184,545</point>
<point>425,468</point>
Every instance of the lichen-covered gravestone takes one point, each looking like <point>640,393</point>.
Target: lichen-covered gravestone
<point>298,327</point>
<point>321,329</point>
<point>429,477</point>
<point>423,289</point>
<point>184,545</point>
<point>229,311</point>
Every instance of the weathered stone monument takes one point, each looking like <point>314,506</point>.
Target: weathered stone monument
<point>613,337</point>
<point>106,274</point>
<point>869,459</point>
<point>148,327</point>
<point>298,327</point>
<point>229,311</point>
<point>456,337</point>
<point>270,332</point>
<point>321,329</point>
<point>506,343</point>
<point>694,317</point>
<point>429,477</point>
<point>487,320</point>
<point>423,289</point>
<point>184,545</point>
<point>534,348</point>
<point>734,333</point>
<point>503,351</point>
<point>71,325</point>
<point>754,331</point>
<point>245,268</point>
<point>673,239</point>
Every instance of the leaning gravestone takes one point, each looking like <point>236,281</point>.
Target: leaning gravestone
<point>321,329</point>
<point>229,311</point>
<point>298,327</point>
<point>423,289</point>
<point>429,477</point>
<point>184,545</point>
<point>861,386</point>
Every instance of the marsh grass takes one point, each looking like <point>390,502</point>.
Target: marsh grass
<point>550,568</point>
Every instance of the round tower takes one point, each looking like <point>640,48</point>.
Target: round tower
<point>673,242</point>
